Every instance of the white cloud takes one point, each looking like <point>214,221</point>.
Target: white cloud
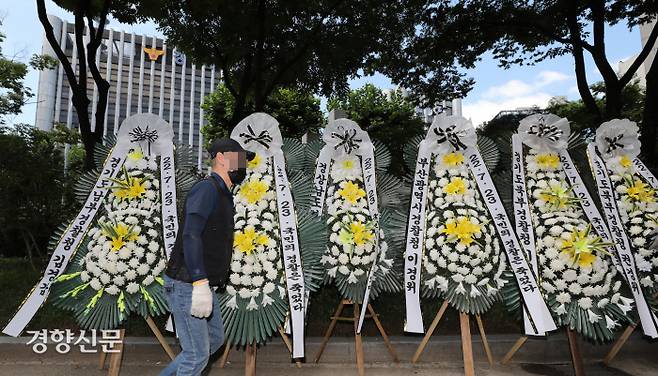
<point>548,77</point>
<point>511,95</point>
<point>485,109</point>
<point>509,89</point>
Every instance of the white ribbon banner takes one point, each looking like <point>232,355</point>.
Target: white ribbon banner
<point>149,132</point>
<point>534,304</point>
<point>620,239</point>
<point>523,220</point>
<point>645,173</point>
<point>446,134</point>
<point>370,182</point>
<point>259,132</point>
<point>415,242</point>
<point>586,202</point>
<point>168,192</point>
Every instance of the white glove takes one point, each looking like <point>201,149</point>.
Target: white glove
<point>201,299</point>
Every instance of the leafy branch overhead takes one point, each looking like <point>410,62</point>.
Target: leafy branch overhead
<point>260,46</point>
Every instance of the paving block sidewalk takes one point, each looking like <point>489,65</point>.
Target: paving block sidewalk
<point>442,356</point>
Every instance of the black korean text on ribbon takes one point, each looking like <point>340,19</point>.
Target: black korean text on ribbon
<point>140,135</point>
<point>545,131</point>
<point>262,138</point>
<point>450,136</point>
<point>347,140</point>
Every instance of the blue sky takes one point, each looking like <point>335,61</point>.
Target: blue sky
<point>495,89</point>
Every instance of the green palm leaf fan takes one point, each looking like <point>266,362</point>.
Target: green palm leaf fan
<point>116,271</point>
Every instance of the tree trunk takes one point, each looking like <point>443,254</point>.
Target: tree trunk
<point>650,116</point>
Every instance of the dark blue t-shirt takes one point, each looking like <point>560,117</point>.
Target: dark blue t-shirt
<point>202,200</point>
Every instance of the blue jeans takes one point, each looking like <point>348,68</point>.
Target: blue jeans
<point>199,338</point>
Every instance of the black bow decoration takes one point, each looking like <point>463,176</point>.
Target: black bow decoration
<point>613,143</point>
<point>262,138</point>
<point>542,130</point>
<point>347,140</point>
<point>450,136</point>
<point>140,135</point>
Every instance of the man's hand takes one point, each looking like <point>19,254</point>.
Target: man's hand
<point>201,299</point>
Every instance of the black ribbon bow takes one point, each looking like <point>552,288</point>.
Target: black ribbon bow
<point>613,143</point>
<point>140,135</point>
<point>450,136</point>
<point>262,138</point>
<point>542,130</point>
<point>347,140</point>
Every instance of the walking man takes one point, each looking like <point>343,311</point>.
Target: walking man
<point>201,259</point>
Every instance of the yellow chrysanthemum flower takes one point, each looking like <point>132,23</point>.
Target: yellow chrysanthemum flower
<point>136,154</point>
<point>351,192</point>
<point>548,161</point>
<point>581,247</point>
<point>453,159</point>
<point>457,186</point>
<point>136,189</point>
<point>119,234</point>
<point>246,240</point>
<point>462,229</point>
<point>253,190</point>
<point>638,190</point>
<point>558,196</point>
<point>361,233</point>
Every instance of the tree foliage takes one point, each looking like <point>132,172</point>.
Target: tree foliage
<point>13,92</point>
<point>390,118</point>
<point>453,35</point>
<point>297,112</point>
<point>35,193</point>
<point>260,46</point>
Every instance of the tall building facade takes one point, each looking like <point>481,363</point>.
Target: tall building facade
<point>145,76</point>
<point>641,73</point>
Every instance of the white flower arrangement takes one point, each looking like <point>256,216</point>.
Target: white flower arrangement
<point>636,199</point>
<point>126,244</point>
<point>462,259</point>
<point>575,266</point>
<point>352,233</point>
<point>256,268</point>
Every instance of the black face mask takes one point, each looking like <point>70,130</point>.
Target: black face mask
<point>237,176</point>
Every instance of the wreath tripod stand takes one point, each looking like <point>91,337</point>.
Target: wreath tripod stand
<point>358,342</point>
<point>116,357</point>
<point>467,342</point>
<point>251,352</point>
<point>574,349</point>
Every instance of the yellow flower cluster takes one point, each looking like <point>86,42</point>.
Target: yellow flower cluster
<point>253,190</point>
<point>581,247</point>
<point>119,234</point>
<point>558,196</point>
<point>457,186</point>
<point>548,161</point>
<point>453,159</point>
<point>248,239</point>
<point>637,190</point>
<point>462,229</point>
<point>351,192</point>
